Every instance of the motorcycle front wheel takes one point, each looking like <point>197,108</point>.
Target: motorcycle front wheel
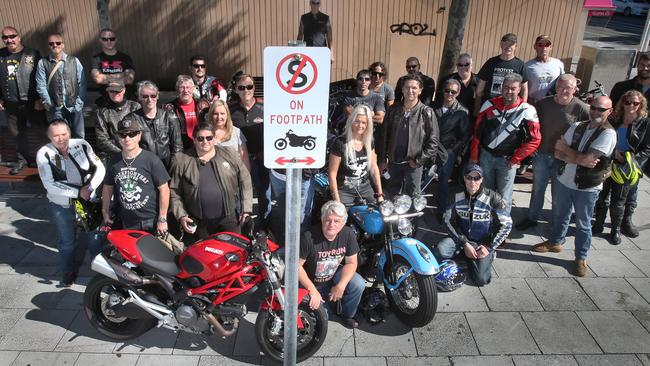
<point>280,144</point>
<point>416,299</point>
<point>310,144</point>
<point>310,337</point>
<point>100,291</point>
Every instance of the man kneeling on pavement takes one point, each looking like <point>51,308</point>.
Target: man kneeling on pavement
<point>477,222</point>
<point>322,251</point>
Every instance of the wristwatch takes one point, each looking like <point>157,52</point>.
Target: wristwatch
<point>162,219</point>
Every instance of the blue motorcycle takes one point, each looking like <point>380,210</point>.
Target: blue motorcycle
<point>389,254</point>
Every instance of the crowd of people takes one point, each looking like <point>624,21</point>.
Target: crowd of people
<point>192,165</point>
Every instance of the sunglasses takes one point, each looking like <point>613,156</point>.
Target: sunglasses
<point>376,73</point>
<point>116,91</point>
<point>52,44</point>
<point>198,66</point>
<point>636,104</point>
<point>152,96</point>
<point>474,178</point>
<point>314,2</point>
<point>9,36</point>
<point>361,78</point>
<point>245,87</point>
<point>599,109</point>
<point>451,91</point>
<point>463,65</point>
<point>108,39</point>
<point>131,134</point>
<point>204,138</point>
<point>412,66</point>
<point>543,44</point>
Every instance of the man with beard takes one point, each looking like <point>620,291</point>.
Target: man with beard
<point>206,87</point>
<point>18,97</point>
<point>428,84</point>
<point>585,152</point>
<point>108,116</point>
<point>640,82</point>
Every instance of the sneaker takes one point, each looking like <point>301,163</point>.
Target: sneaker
<point>68,279</point>
<point>581,267</point>
<point>547,247</point>
<point>526,224</point>
<point>350,322</point>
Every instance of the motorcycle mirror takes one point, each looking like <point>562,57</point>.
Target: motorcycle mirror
<point>248,227</point>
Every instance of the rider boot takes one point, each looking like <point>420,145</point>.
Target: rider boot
<point>627,227</point>
<point>597,226</point>
<point>616,214</point>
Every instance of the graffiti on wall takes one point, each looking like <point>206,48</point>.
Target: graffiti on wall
<point>416,29</point>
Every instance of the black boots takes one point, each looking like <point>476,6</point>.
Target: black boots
<point>627,227</point>
<point>597,226</point>
<point>616,214</point>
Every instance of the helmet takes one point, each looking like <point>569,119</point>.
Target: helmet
<point>627,172</point>
<point>374,305</point>
<point>88,214</point>
<point>450,277</point>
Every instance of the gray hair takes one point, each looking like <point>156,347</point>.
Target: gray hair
<point>570,78</point>
<point>334,207</point>
<point>465,55</point>
<point>453,82</point>
<point>513,77</point>
<point>184,79</point>
<point>146,84</point>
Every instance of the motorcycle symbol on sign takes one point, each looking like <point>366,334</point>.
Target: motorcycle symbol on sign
<point>308,142</point>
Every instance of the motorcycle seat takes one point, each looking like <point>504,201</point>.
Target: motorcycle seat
<point>156,257</point>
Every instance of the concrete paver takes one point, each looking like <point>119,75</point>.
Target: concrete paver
<point>465,299</point>
<point>544,360</point>
<point>103,359</point>
<point>417,361</point>
<point>7,357</point>
<point>38,330</point>
<point>357,361</point>
<point>449,334</point>
<point>510,294</point>
<point>613,294</point>
<point>612,264</point>
<point>616,331</point>
<point>482,360</point>
<point>560,294</point>
<point>499,333</point>
<point>608,360</point>
<point>558,332</point>
<point>392,338</point>
<point>45,359</point>
<point>164,360</point>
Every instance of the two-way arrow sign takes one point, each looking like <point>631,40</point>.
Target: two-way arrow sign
<point>282,161</point>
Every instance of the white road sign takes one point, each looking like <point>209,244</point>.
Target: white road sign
<point>296,98</point>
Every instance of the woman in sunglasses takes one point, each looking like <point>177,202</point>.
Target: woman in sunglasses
<point>226,133</point>
<point>631,124</point>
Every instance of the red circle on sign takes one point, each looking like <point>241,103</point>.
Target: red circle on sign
<point>289,87</point>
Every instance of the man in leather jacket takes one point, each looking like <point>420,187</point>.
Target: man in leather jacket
<point>108,116</point>
<point>57,163</point>
<point>18,97</point>
<point>477,223</point>
<point>161,132</point>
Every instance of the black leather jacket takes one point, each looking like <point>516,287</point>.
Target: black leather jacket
<point>160,135</point>
<point>638,138</point>
<point>454,125</point>
<point>26,74</point>
<point>108,142</point>
<point>423,134</point>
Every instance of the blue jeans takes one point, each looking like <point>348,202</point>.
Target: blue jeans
<point>404,179</point>
<point>443,182</point>
<point>351,296</point>
<point>479,269</point>
<point>497,176</point>
<point>306,198</point>
<point>69,250</point>
<point>261,182</point>
<point>75,120</point>
<point>583,204</point>
<point>544,167</point>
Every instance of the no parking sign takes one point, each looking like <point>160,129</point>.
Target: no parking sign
<point>296,98</point>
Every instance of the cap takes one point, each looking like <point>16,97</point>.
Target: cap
<point>543,37</point>
<point>115,86</point>
<point>473,168</point>
<point>509,37</point>
<point>127,125</point>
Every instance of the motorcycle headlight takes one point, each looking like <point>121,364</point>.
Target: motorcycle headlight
<point>386,208</point>
<point>419,203</point>
<point>402,204</point>
<point>404,226</point>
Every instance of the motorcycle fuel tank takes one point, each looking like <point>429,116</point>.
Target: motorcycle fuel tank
<point>214,257</point>
<point>369,219</point>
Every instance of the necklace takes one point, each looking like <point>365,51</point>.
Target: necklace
<point>128,164</point>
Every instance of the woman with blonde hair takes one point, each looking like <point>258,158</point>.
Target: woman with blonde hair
<point>227,134</point>
<point>353,161</point>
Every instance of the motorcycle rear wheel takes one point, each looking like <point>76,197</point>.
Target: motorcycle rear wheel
<point>310,338</point>
<point>95,298</point>
<point>416,299</point>
<point>310,144</point>
<point>280,144</point>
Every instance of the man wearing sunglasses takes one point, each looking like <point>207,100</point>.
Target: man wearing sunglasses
<point>211,188</point>
<point>315,27</point>
<point>111,65</point>
<point>207,87</point>
<point>542,71</point>
<point>108,116</point>
<point>18,97</point>
<point>428,84</point>
<point>61,83</point>
<point>362,94</point>
<point>468,82</point>
<point>477,223</point>
<point>585,151</point>
<point>140,183</point>
<point>640,82</point>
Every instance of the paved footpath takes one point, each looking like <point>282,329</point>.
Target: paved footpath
<point>533,313</point>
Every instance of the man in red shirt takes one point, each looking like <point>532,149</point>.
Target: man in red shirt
<point>188,110</point>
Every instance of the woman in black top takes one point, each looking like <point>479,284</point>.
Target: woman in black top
<point>353,161</point>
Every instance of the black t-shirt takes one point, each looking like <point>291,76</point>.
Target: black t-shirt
<point>12,62</point>
<point>402,139</point>
<point>494,70</point>
<point>351,172</point>
<point>323,257</point>
<point>210,193</point>
<point>251,124</point>
<point>111,64</point>
<point>315,29</point>
<point>136,186</point>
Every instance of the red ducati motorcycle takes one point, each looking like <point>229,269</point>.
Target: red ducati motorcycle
<point>141,284</point>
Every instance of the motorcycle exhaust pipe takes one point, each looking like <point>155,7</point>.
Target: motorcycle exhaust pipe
<point>215,323</point>
<point>111,268</point>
